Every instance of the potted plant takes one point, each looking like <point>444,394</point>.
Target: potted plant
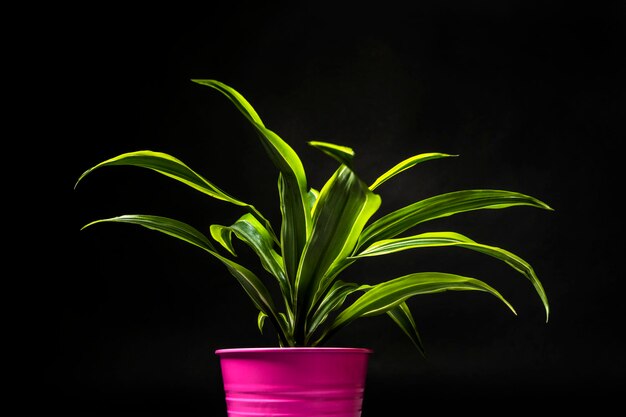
<point>322,233</point>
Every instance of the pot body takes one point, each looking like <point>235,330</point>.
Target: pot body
<point>294,381</point>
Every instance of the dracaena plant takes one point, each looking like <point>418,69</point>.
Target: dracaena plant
<point>322,233</point>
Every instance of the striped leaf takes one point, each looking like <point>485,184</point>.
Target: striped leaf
<point>337,295</point>
<point>406,164</point>
<point>402,316</point>
<point>250,231</point>
<point>390,294</point>
<point>330,302</point>
<point>224,236</point>
<point>396,222</point>
<point>313,196</point>
<point>343,154</point>
<point>174,168</point>
<point>344,205</point>
<point>438,239</point>
<point>252,285</point>
<point>260,321</point>
<point>294,190</point>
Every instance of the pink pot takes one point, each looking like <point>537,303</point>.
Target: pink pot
<point>294,381</point>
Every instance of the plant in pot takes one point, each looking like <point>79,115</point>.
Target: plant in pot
<point>323,232</point>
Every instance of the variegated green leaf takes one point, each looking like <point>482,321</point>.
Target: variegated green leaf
<point>174,168</point>
<point>394,223</point>
<point>296,217</point>
<point>313,196</point>
<point>390,294</point>
<point>252,232</point>
<point>169,166</point>
<point>344,206</point>
<point>235,98</point>
<point>260,321</point>
<point>170,227</point>
<point>402,316</point>
<point>287,323</point>
<point>331,301</point>
<point>223,235</point>
<point>435,239</point>
<point>343,154</point>
<point>252,285</point>
<point>292,240</point>
<point>294,189</point>
<point>406,164</point>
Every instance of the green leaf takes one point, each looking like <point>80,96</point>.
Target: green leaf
<point>406,164</point>
<point>312,199</point>
<point>343,154</point>
<point>394,223</point>
<point>252,232</point>
<point>169,166</point>
<point>344,206</point>
<point>438,239</point>
<point>165,225</point>
<point>257,292</point>
<point>390,294</point>
<point>174,168</point>
<point>292,240</point>
<point>335,298</point>
<point>337,295</point>
<point>293,189</point>
<point>235,98</point>
<point>287,324</point>
<point>402,316</point>
<point>331,301</point>
<point>223,235</point>
<point>260,321</point>
<point>252,285</point>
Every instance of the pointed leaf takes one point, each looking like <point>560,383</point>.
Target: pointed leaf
<point>344,206</point>
<point>406,164</point>
<point>394,223</point>
<point>252,285</point>
<point>235,98</point>
<point>390,294</point>
<point>287,324</point>
<point>435,239</point>
<point>260,321</point>
<point>293,188</point>
<point>174,168</point>
<point>169,166</point>
<point>223,235</point>
<point>165,225</point>
<point>332,300</point>
<point>312,200</point>
<point>292,240</point>
<point>252,232</point>
<point>343,154</point>
<point>402,316</point>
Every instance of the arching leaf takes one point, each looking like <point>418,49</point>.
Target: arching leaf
<point>394,223</point>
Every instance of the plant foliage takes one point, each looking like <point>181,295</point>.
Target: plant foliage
<point>322,233</point>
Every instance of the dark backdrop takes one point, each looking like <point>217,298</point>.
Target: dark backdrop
<point>118,320</point>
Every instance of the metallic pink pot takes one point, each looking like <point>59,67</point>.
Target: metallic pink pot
<point>294,381</point>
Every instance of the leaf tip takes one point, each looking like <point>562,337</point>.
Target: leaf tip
<point>83,175</point>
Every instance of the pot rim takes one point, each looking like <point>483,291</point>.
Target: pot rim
<point>289,349</point>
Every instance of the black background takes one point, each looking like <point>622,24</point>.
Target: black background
<point>117,320</point>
